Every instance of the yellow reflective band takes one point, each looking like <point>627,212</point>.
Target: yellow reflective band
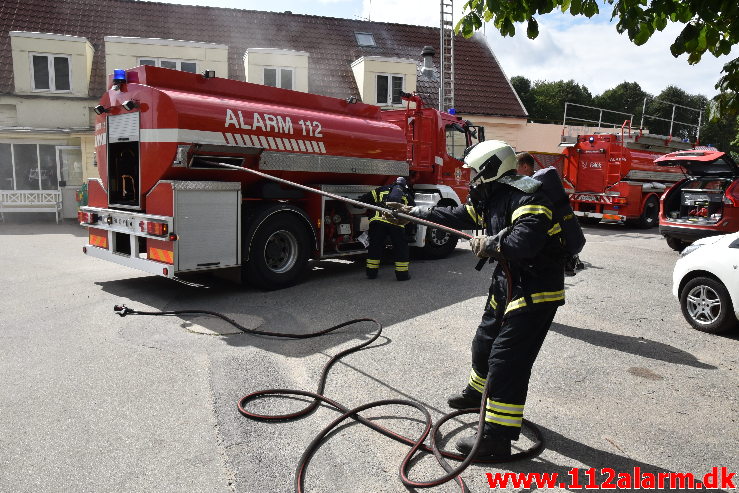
<point>554,229</point>
<point>536,298</point>
<point>502,407</point>
<point>401,269</point>
<point>531,209</point>
<point>403,263</point>
<point>475,217</point>
<point>373,264</point>
<point>374,195</point>
<point>503,420</point>
<point>493,303</point>
<point>476,381</point>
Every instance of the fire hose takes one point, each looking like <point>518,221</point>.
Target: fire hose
<point>431,430</point>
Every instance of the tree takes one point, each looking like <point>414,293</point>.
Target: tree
<point>522,86</point>
<point>710,25</point>
<point>548,99</point>
<point>627,97</point>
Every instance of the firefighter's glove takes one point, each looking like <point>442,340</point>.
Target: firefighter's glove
<point>396,207</point>
<point>485,246</point>
<point>416,210</point>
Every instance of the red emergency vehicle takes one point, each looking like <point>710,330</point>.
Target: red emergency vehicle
<point>162,206</point>
<point>614,177</point>
<point>610,173</point>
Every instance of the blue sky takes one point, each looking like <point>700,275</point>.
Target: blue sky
<point>589,51</point>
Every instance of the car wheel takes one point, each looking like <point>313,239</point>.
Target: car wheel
<point>706,305</point>
<point>589,221</point>
<point>279,253</point>
<point>650,216</point>
<point>675,244</point>
<point>439,243</point>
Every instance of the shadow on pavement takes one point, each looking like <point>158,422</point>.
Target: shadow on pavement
<point>333,292</point>
<point>35,226</point>
<point>633,345</point>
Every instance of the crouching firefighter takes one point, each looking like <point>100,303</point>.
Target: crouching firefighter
<point>380,227</point>
<point>519,232</point>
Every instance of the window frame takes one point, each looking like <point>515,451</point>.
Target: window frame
<point>158,62</point>
<point>278,77</point>
<point>52,72</point>
<point>389,100</point>
<point>359,43</point>
<point>56,169</point>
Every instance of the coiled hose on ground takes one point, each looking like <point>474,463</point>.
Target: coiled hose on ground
<point>431,430</point>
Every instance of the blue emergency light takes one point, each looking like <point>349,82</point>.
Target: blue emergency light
<point>452,111</point>
<point>119,76</point>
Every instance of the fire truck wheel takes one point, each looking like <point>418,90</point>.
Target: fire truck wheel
<point>279,253</point>
<point>650,216</point>
<point>706,305</point>
<point>439,244</point>
<point>675,244</point>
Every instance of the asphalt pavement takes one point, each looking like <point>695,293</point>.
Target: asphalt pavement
<point>92,402</point>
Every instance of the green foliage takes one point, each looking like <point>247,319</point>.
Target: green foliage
<point>710,26</point>
<point>545,103</point>
<point>627,97</point>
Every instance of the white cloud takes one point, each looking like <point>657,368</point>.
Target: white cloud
<point>595,55</point>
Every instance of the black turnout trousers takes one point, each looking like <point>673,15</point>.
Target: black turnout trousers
<point>504,349</point>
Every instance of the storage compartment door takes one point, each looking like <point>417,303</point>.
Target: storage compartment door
<point>207,227</point>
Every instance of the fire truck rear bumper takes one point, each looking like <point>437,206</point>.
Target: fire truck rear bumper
<point>150,266</point>
<point>604,216</point>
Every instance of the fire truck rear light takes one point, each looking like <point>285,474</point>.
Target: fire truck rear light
<point>173,237</point>
<point>87,217</point>
<point>619,200</point>
<point>157,229</point>
<point>165,271</point>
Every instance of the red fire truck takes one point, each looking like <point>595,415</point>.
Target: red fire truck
<point>610,174</point>
<point>162,205</point>
<point>613,176</point>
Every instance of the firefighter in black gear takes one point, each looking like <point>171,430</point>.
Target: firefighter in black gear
<point>520,233</point>
<point>380,227</point>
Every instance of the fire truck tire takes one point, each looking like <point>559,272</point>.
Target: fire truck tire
<point>279,253</point>
<point>650,216</point>
<point>439,244</point>
<point>588,221</point>
<point>675,244</point>
<point>706,305</point>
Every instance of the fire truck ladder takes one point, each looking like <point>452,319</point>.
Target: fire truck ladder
<point>446,44</point>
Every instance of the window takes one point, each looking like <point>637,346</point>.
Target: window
<point>365,39</point>
<point>182,65</point>
<point>278,77</point>
<point>50,72</point>
<point>456,141</point>
<point>34,166</point>
<point>389,88</point>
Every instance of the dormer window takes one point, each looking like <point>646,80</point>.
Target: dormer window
<point>389,87</point>
<point>51,72</point>
<point>174,64</point>
<point>365,39</point>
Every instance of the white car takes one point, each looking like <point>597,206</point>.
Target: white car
<point>706,281</point>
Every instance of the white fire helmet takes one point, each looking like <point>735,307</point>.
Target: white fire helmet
<point>489,160</point>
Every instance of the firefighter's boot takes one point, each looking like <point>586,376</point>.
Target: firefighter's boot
<point>401,271</point>
<point>467,399</point>
<point>372,267</point>
<point>497,447</point>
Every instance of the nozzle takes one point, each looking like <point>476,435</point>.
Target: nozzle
<point>122,310</point>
